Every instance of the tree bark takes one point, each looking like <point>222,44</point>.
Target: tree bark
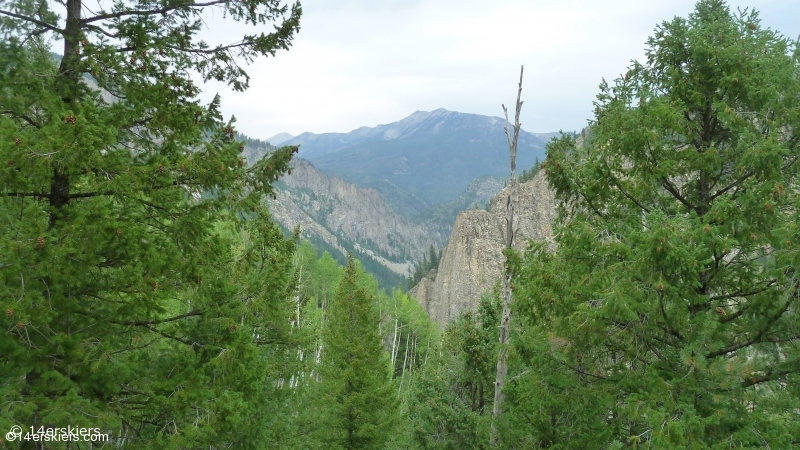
<point>511,237</point>
<point>394,341</point>
<point>67,86</point>
<point>403,375</point>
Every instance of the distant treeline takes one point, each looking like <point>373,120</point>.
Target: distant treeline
<point>528,174</point>
<point>421,268</point>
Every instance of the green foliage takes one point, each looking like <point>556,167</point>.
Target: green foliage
<point>429,262</point>
<point>669,310</point>
<point>528,174</point>
<point>407,329</point>
<point>357,393</point>
<point>407,336</point>
<point>136,299</point>
<point>320,276</point>
<point>386,278</point>
<point>450,402</point>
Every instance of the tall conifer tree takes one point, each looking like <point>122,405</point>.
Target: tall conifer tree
<point>361,403</point>
<point>115,278</point>
<point>671,304</point>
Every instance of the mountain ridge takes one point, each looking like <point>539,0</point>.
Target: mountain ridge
<point>279,138</point>
<point>314,145</point>
<point>433,156</point>
<point>343,218</point>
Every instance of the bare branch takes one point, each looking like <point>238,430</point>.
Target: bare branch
<point>505,319</point>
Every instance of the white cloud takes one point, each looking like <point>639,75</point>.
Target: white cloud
<point>366,62</point>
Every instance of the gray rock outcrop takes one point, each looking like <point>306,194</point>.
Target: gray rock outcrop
<point>473,259</point>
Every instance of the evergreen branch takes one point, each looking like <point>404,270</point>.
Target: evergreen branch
<point>48,195</point>
<point>42,24</point>
<point>732,185</point>
<point>25,194</point>
<point>132,391</point>
<point>591,205</point>
<point>149,12</point>
<point>629,196</point>
<point>735,315</point>
<point>652,349</point>
<point>663,340</point>
<point>201,51</point>
<point>672,190</point>
<point>89,194</point>
<point>668,327</point>
<point>140,122</point>
<point>169,336</point>
<point>21,116</point>
<point>582,372</point>
<point>153,205</point>
<point>156,322</point>
<point>791,338</point>
<point>136,347</point>
<point>769,376</point>
<point>102,31</point>
<point>738,313</point>
<point>135,405</point>
<point>521,374</point>
<point>272,342</point>
<point>292,437</point>
<point>754,339</point>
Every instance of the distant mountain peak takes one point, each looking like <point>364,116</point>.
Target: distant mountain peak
<point>279,138</point>
<point>431,154</point>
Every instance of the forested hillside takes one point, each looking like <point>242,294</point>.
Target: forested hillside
<point>343,218</point>
<point>433,155</point>
<point>151,300</point>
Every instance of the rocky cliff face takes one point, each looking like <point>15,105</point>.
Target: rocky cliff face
<point>349,218</point>
<point>473,259</point>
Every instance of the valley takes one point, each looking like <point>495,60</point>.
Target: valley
<point>388,193</point>
<point>171,283</point>
<point>422,160</point>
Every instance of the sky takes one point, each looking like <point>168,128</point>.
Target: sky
<point>361,63</point>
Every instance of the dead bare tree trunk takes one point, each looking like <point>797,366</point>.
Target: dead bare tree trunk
<point>405,360</point>
<point>511,237</point>
<point>394,341</point>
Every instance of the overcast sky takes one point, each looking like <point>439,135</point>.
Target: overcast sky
<point>368,62</point>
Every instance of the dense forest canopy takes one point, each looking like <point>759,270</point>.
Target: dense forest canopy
<point>137,301</point>
<point>147,293</point>
<point>670,308</point>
